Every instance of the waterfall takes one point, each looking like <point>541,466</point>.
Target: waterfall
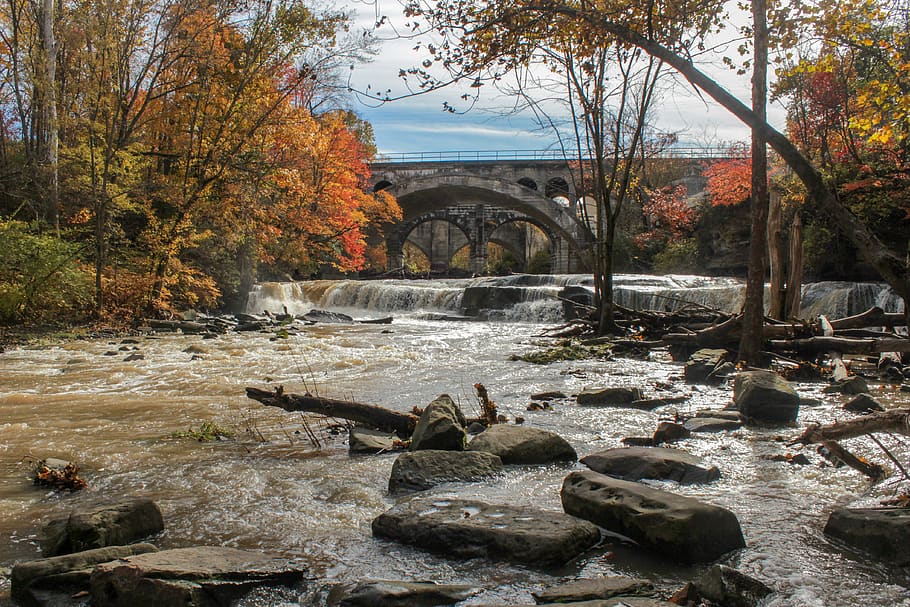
<point>542,298</point>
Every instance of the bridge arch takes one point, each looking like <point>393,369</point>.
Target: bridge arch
<point>478,204</point>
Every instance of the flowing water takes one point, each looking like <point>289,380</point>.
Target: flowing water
<point>270,488</point>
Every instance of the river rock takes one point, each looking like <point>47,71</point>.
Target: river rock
<point>617,601</point>
<point>702,366</point>
<point>659,463</point>
<point>206,576</point>
<point>731,588</point>
<point>678,527</point>
<point>593,589</point>
<point>765,396</point>
<point>113,525</point>
<point>850,385</point>
<point>863,403</point>
<point>669,432</point>
<point>34,583</point>
<point>393,593</point>
<point>471,529</point>
<point>366,440</point>
<point>551,395</point>
<point>523,445</point>
<point>711,424</point>
<point>882,532</point>
<point>327,317</point>
<point>732,414</point>
<point>608,397</point>
<point>441,426</point>
<point>420,470</point>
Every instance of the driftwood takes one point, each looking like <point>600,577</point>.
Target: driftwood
<point>362,413</point>
<point>844,345</point>
<point>895,420</point>
<point>873,317</point>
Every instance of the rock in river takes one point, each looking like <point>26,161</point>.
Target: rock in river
<point>523,445</point>
<point>113,525</point>
<point>441,426</point>
<point>883,532</point>
<point>609,397</point>
<point>659,463</point>
<point>679,527</point>
<point>393,593</point>
<point>207,576</point>
<point>470,529</point>
<point>765,396</point>
<point>419,470</point>
<point>593,589</point>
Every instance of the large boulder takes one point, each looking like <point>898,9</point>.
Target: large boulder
<point>441,426</point>
<point>702,366</point>
<point>882,532</point>
<point>608,397</point>
<point>680,528</point>
<point>207,576</point>
<point>394,593</point>
<point>659,463</point>
<point>114,525</point>
<point>34,583</point>
<point>471,529</point>
<point>419,470</point>
<point>765,396</point>
<point>593,589</point>
<point>523,445</point>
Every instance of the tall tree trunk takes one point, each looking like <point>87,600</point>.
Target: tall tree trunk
<point>750,344</point>
<point>50,113</point>
<point>795,275</point>
<point>778,290</point>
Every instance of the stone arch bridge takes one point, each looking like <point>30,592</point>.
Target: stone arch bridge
<point>449,203</point>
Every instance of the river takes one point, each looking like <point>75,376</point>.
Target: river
<point>270,488</point>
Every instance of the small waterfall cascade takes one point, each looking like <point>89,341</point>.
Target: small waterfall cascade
<point>542,298</point>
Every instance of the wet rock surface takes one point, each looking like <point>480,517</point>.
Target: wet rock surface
<point>765,396</point>
<point>608,397</point>
<point>441,426</point>
<point>882,532</point>
<point>113,525</point>
<point>396,593</point>
<point>420,470</point>
<point>364,441</point>
<point>523,445</point>
<point>659,463</point>
<point>594,589</point>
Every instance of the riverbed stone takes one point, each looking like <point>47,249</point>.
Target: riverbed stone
<point>719,414</point>
<point>850,385</point>
<point>608,397</point>
<point>669,432</point>
<point>326,316</point>
<point>679,528</point>
<point>711,424</point>
<point>363,441</point>
<point>702,365</point>
<point>396,593</point>
<point>424,469</point>
<point>113,525</point>
<point>39,582</point>
<point>765,396</point>
<point>594,589</point>
<point>658,463</point>
<point>204,576</point>
<point>441,426</point>
<point>882,532</point>
<point>523,445</point>
<point>863,403</point>
<point>471,529</point>
<point>617,601</point>
<point>731,588</point>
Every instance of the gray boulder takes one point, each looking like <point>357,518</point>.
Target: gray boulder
<point>523,445</point>
<point>863,403</point>
<point>207,576</point>
<point>34,583</point>
<point>702,366</point>
<point>765,396</point>
<point>882,532</point>
<point>669,432</point>
<point>113,525</point>
<point>594,589</point>
<point>441,426</point>
<point>711,424</point>
<point>618,601</point>
<point>850,385</point>
<point>679,528</point>
<point>471,529</point>
<point>420,470</point>
<point>366,441</point>
<point>659,463</point>
<point>393,593</point>
<point>731,588</point>
<point>608,397</point>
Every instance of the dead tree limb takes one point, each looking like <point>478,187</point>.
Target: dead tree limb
<point>873,317</point>
<point>844,345</point>
<point>369,415</point>
<point>895,420</point>
<point>872,470</point>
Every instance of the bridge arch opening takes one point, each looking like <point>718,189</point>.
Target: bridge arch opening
<point>526,246</point>
<point>557,187</point>
<point>382,185</point>
<point>528,183</point>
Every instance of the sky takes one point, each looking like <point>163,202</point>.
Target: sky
<point>419,124</point>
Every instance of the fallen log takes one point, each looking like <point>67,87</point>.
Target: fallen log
<point>895,420</point>
<point>361,413</point>
<point>873,317</point>
<point>844,345</point>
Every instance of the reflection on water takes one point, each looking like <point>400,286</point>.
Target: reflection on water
<point>81,401</point>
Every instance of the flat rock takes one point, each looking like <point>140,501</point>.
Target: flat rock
<point>719,414</point>
<point>850,385</point>
<point>882,532</point>
<point>523,445</point>
<point>863,403</point>
<point>731,588</point>
<point>441,426</point>
<point>659,463</point>
<point>420,470</point>
<point>618,601</point>
<point>395,593</point>
<point>594,589</point>
<point>363,441</point>
<point>206,576</point>
<point>679,528</point>
<point>765,396</point>
<point>471,529</point>
<point>711,424</point>
<point>608,397</point>
<point>702,364</point>
<point>327,317</point>
<point>668,432</point>
<point>114,525</point>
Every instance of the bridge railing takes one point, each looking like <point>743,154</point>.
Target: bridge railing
<point>507,155</point>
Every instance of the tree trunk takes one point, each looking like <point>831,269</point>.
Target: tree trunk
<point>50,112</point>
<point>778,288</point>
<point>895,420</point>
<point>750,345</point>
<point>793,299</point>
